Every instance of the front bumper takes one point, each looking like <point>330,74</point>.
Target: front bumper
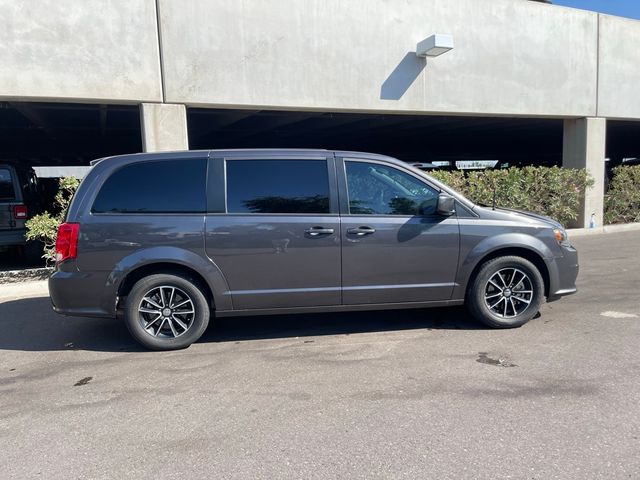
<point>565,271</point>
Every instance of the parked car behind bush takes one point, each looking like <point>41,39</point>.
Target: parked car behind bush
<point>20,199</point>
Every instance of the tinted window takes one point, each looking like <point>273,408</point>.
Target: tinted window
<point>376,189</point>
<point>169,186</point>
<point>277,186</point>
<point>6,185</point>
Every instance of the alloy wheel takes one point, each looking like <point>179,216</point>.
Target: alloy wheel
<point>166,312</point>
<point>508,293</point>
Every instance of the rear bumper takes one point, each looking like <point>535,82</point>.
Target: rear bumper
<point>10,238</point>
<point>81,312</point>
<point>565,274</point>
<point>80,294</point>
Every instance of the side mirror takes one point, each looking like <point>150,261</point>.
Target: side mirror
<point>446,205</point>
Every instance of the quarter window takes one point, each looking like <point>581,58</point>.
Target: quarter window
<point>166,186</point>
<point>277,186</point>
<point>6,185</point>
<point>376,189</point>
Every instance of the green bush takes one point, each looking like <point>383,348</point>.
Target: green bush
<point>552,191</point>
<point>454,179</point>
<point>622,201</point>
<point>44,227</point>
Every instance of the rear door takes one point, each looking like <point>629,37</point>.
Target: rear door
<point>396,248</point>
<point>273,229</point>
<point>8,197</point>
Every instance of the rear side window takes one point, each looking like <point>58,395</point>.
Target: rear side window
<point>6,185</point>
<point>277,186</point>
<point>167,186</point>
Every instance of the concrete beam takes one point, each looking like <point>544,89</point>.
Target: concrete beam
<point>89,51</point>
<point>618,73</point>
<point>515,58</point>
<point>164,127</point>
<point>584,145</point>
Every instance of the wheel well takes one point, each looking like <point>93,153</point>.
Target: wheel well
<point>530,255</point>
<point>170,268</point>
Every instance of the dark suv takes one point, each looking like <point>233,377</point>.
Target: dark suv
<point>19,199</point>
<point>166,239</point>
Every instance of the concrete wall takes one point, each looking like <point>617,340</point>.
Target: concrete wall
<point>515,58</point>
<point>80,50</point>
<point>511,57</point>
<point>619,78</point>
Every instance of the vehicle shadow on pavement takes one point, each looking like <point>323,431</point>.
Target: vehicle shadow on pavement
<point>30,325</point>
<point>343,323</point>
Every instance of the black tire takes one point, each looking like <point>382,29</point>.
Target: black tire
<point>516,307</point>
<point>170,334</point>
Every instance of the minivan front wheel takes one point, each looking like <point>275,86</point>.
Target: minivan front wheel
<point>507,292</point>
<point>166,312</point>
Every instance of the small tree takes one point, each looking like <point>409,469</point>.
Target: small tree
<point>44,227</point>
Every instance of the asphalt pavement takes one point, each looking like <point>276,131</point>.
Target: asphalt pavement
<point>394,394</point>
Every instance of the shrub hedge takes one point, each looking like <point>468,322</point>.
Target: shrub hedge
<point>622,201</point>
<point>44,227</point>
<point>552,191</point>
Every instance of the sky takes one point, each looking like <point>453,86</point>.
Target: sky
<point>622,8</point>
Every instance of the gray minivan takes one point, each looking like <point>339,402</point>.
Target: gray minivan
<point>165,239</point>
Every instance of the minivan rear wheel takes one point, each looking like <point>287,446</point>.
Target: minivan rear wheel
<point>166,312</point>
<point>506,292</point>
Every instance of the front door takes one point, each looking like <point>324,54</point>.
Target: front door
<point>396,247</point>
<point>278,244</point>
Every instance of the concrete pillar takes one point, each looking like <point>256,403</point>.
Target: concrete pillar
<point>584,147</point>
<point>164,127</point>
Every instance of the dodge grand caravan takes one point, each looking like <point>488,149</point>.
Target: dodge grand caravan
<point>165,240</point>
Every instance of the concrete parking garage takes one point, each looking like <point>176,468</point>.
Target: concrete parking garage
<point>514,64</point>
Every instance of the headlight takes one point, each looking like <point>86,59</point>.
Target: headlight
<point>561,236</point>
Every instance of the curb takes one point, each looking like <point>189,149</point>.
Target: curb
<point>29,274</point>
<point>22,290</point>
<point>623,227</point>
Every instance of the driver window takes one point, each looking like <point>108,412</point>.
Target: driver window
<point>376,189</point>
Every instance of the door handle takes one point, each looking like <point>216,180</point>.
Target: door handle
<point>317,231</point>
<point>361,231</point>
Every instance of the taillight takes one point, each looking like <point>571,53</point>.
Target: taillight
<point>67,241</point>
<point>20,212</point>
